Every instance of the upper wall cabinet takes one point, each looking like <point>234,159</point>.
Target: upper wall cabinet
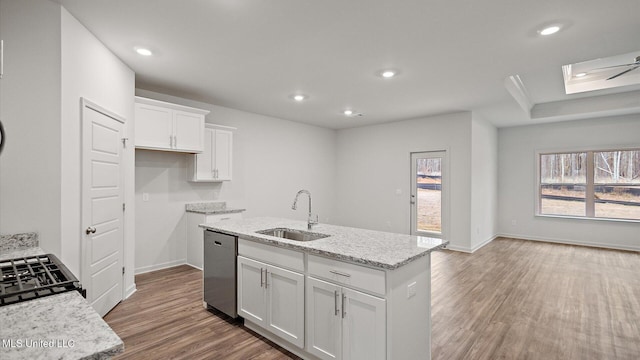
<point>215,162</point>
<point>170,127</point>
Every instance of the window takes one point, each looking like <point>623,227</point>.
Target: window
<point>592,184</point>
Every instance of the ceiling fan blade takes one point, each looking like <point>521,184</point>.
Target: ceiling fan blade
<point>624,72</point>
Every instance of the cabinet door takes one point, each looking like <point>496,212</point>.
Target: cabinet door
<point>223,144</point>
<point>363,326</point>
<point>252,299</point>
<point>285,304</point>
<point>204,160</point>
<point>324,319</point>
<point>154,127</point>
<point>188,131</point>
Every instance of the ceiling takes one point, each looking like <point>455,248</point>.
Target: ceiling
<point>452,55</point>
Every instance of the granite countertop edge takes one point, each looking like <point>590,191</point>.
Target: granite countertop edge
<point>308,247</point>
<point>220,211</point>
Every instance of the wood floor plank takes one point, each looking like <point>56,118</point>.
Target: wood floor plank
<point>512,299</point>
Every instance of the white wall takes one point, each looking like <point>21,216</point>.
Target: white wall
<point>272,160</point>
<point>30,177</point>
<point>374,161</point>
<point>91,71</point>
<point>517,173</point>
<point>484,182</point>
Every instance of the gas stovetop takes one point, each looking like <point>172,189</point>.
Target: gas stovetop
<point>33,277</point>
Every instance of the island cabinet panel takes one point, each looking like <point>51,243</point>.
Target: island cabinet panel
<point>351,275</point>
<point>252,297</point>
<point>324,319</point>
<point>343,323</point>
<point>272,298</point>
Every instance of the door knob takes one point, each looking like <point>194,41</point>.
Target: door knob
<point>90,230</point>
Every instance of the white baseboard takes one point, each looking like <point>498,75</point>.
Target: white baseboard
<point>130,290</point>
<point>572,242</point>
<point>195,267</point>
<point>473,249</point>
<point>154,267</point>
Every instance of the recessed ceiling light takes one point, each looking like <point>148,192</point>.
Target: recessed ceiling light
<point>143,51</point>
<point>388,73</point>
<point>581,74</point>
<point>549,30</point>
<point>351,113</point>
<point>299,97</point>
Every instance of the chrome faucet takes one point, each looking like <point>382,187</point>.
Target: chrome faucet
<point>310,220</point>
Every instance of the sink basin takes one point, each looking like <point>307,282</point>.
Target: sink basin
<point>292,234</point>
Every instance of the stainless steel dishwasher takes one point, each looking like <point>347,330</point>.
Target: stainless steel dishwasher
<point>220,253</point>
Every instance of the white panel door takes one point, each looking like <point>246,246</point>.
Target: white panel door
<point>285,304</point>
<point>363,326</point>
<point>252,299</point>
<point>324,319</point>
<point>102,207</point>
<point>154,127</point>
<point>187,131</point>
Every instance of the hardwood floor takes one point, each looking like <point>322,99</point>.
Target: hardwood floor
<point>165,319</point>
<point>512,299</point>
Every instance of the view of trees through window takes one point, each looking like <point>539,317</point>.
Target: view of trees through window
<point>429,201</point>
<point>615,176</point>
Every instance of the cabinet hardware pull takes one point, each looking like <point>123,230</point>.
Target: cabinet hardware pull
<point>227,218</point>
<point>171,141</point>
<point>175,141</point>
<point>261,281</point>
<point>90,230</point>
<point>339,273</point>
<point>344,308</point>
<point>217,243</point>
<point>266,278</point>
<point>335,302</point>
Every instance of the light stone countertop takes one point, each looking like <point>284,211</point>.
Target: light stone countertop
<point>368,247</point>
<point>61,326</point>
<point>32,251</point>
<point>210,208</point>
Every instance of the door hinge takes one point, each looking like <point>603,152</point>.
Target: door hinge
<point>123,270</point>
<point>123,206</point>
<point>124,142</point>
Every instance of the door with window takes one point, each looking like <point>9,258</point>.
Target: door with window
<point>428,193</point>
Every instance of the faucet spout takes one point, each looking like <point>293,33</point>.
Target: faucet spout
<point>310,220</point>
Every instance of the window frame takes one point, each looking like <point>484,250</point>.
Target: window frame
<point>590,181</point>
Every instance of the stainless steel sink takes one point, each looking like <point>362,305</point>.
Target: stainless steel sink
<point>292,234</point>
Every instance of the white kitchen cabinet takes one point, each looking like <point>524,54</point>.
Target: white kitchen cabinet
<point>343,323</point>
<point>272,298</point>
<point>351,311</point>
<point>215,162</point>
<point>195,234</point>
<point>170,127</point>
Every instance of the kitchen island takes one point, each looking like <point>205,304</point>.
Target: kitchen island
<point>353,293</point>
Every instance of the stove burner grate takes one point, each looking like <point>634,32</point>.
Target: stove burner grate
<point>32,277</point>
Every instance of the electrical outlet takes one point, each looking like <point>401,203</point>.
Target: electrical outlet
<point>411,290</point>
<point>145,196</point>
